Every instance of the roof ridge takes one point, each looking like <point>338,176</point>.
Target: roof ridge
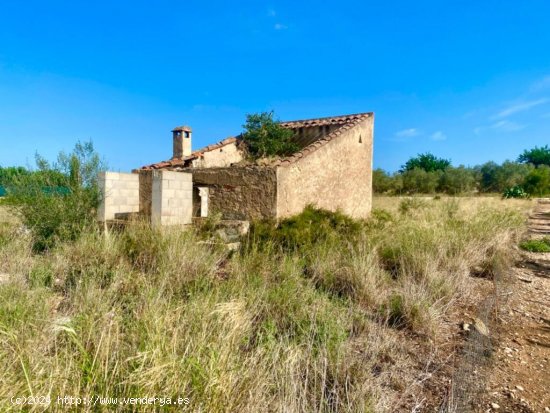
<point>321,142</point>
<point>328,118</point>
<point>195,154</point>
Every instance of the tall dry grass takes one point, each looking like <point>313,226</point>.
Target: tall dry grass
<point>317,328</point>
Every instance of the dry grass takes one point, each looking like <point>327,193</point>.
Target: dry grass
<point>324,328</point>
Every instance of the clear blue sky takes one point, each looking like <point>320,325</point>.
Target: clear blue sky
<point>466,80</point>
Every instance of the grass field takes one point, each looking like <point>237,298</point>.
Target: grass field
<point>331,322</point>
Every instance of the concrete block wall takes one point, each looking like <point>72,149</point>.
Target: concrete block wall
<point>172,198</point>
<point>119,193</point>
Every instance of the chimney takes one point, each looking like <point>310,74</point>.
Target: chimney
<point>181,142</point>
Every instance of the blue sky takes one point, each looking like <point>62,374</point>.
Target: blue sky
<point>466,80</point>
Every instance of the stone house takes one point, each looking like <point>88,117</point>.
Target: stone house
<point>332,170</point>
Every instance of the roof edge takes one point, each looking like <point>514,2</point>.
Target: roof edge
<point>312,147</point>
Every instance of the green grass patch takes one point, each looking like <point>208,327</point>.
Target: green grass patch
<point>536,245</point>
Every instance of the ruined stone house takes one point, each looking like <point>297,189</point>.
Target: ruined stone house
<point>332,170</point>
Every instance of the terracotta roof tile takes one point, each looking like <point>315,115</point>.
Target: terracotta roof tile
<point>197,154</point>
<point>332,120</point>
<point>347,122</point>
<point>344,121</point>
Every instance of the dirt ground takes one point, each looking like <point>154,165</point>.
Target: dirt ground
<point>519,379</point>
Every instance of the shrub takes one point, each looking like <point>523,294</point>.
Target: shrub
<point>410,204</point>
<point>313,225</point>
<point>537,182</point>
<point>266,137</point>
<point>515,192</point>
<point>58,201</point>
<point>457,180</point>
<point>417,180</point>
<point>536,245</point>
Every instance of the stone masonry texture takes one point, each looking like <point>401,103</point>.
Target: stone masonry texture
<point>338,175</point>
<point>239,192</point>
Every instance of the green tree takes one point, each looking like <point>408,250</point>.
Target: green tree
<point>497,178</point>
<point>265,137</point>
<point>417,180</point>
<point>537,182</point>
<point>11,173</point>
<point>536,156</point>
<point>382,181</point>
<point>57,201</point>
<point>426,161</point>
<point>457,180</point>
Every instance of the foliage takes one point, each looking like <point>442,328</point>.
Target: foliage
<point>536,245</point>
<point>317,328</point>
<point>265,137</point>
<point>455,181</point>
<point>417,180</point>
<point>385,183</point>
<point>411,204</point>
<point>306,229</point>
<point>537,182</point>
<point>515,192</point>
<point>10,174</point>
<point>497,178</point>
<point>381,181</point>
<point>427,162</point>
<point>57,201</point>
<point>536,156</point>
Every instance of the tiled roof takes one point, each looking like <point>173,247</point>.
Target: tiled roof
<point>332,120</point>
<point>197,154</point>
<point>347,122</point>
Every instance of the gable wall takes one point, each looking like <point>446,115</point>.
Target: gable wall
<point>219,157</point>
<point>309,134</point>
<point>338,175</point>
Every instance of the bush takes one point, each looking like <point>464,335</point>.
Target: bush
<point>410,204</point>
<point>457,181</point>
<point>537,182</point>
<point>536,245</point>
<point>58,201</point>
<point>312,226</point>
<point>419,181</point>
<point>266,137</point>
<point>515,192</point>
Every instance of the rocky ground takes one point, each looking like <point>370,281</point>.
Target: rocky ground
<point>519,379</point>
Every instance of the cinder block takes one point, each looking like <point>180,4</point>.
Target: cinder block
<point>186,176</point>
<point>112,176</point>
<point>186,194</point>
<point>174,184</point>
<point>168,193</point>
<point>128,177</point>
<point>175,202</point>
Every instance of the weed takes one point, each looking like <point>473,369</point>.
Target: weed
<point>536,245</point>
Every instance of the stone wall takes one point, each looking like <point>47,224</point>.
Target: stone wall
<point>145,193</point>
<point>338,175</point>
<point>219,157</point>
<point>172,198</point>
<point>119,194</point>
<point>242,193</point>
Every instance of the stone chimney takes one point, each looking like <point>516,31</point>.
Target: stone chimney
<point>181,142</point>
